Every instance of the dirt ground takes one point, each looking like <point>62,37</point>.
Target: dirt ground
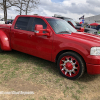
<point>27,73</point>
<point>91,90</point>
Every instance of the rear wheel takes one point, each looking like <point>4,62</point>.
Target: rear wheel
<point>71,65</point>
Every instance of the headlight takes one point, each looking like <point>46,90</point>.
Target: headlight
<point>95,51</point>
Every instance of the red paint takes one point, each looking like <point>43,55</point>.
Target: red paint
<point>80,22</point>
<point>4,41</point>
<point>93,69</point>
<point>40,30</point>
<point>48,46</point>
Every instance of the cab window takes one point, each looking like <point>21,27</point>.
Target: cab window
<point>22,23</point>
<point>40,22</point>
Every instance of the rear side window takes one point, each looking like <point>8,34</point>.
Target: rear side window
<point>22,23</point>
<point>40,22</point>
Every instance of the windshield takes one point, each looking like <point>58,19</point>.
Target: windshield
<point>71,20</point>
<point>60,26</point>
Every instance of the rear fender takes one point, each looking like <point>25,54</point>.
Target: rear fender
<point>4,41</point>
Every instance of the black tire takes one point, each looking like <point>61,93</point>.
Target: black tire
<point>1,50</point>
<point>71,65</point>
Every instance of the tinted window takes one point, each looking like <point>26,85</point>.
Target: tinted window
<point>22,23</point>
<point>40,22</point>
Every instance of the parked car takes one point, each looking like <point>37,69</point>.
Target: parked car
<point>95,26</point>
<point>55,40</point>
<point>78,24</point>
<point>9,22</point>
<point>77,27</point>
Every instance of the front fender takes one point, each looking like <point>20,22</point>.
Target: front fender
<point>83,50</point>
<point>4,41</point>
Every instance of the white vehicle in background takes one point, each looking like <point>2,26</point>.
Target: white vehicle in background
<point>2,21</point>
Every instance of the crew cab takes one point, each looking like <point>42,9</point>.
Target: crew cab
<point>55,40</point>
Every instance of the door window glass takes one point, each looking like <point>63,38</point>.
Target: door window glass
<point>22,23</point>
<point>40,22</point>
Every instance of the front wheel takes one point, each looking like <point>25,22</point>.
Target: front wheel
<point>71,65</point>
<point>1,50</point>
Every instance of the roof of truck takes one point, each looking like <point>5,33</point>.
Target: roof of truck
<point>35,16</point>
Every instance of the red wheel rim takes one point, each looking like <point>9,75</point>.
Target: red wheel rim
<point>69,66</point>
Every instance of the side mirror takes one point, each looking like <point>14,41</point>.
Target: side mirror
<point>81,29</point>
<point>39,31</point>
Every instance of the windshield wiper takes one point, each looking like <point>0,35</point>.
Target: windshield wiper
<point>69,32</point>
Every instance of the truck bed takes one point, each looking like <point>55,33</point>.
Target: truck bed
<point>5,25</point>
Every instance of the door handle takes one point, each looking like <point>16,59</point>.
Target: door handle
<point>30,36</point>
<point>13,33</point>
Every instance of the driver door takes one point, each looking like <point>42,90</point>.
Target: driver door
<point>40,46</point>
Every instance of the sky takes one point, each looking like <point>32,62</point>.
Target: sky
<point>68,8</point>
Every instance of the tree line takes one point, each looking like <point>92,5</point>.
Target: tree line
<point>21,6</point>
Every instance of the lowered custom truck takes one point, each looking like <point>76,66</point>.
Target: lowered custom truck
<point>55,40</point>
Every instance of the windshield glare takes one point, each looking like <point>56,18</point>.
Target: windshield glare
<point>71,20</point>
<point>60,26</point>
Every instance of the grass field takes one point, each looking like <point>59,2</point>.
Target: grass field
<point>22,72</point>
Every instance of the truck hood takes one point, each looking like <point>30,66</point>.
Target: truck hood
<point>88,37</point>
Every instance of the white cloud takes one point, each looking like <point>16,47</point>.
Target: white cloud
<point>94,3</point>
<point>69,8</point>
<point>70,2</point>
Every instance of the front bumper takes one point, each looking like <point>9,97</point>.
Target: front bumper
<point>93,69</point>
<point>93,64</point>
<point>95,60</point>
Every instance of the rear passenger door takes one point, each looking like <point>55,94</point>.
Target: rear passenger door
<point>19,34</point>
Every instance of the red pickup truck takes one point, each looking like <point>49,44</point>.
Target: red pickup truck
<point>55,40</point>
